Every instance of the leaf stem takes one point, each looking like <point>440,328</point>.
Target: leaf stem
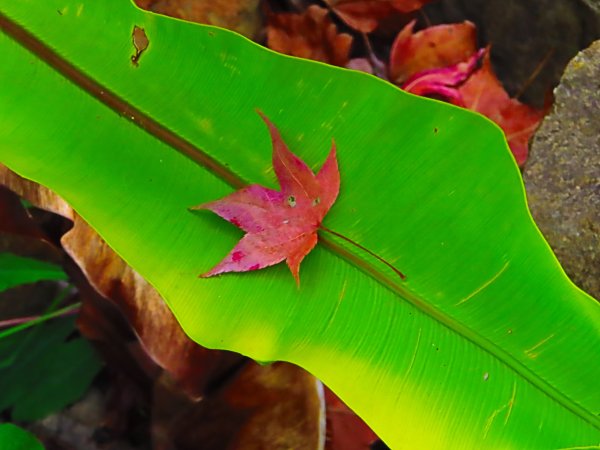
<point>71,309</point>
<point>27,322</point>
<point>341,236</point>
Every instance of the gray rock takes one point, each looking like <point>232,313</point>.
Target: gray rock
<point>594,4</point>
<point>562,176</point>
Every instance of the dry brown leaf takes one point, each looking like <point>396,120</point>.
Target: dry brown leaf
<point>346,431</point>
<point>310,35</point>
<point>153,322</point>
<point>278,406</point>
<point>364,15</point>
<point>244,405</point>
<point>242,16</point>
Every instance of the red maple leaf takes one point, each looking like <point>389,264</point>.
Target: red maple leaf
<point>434,47</point>
<point>279,225</point>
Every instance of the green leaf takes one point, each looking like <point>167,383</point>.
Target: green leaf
<point>486,345</point>
<point>16,270</point>
<point>13,437</point>
<point>42,371</point>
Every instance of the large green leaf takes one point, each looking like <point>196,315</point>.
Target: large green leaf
<point>486,345</point>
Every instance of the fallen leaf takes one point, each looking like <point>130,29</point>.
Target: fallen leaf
<point>279,225</point>
<point>278,406</point>
<point>204,398</point>
<point>443,83</point>
<point>345,430</point>
<point>310,35</point>
<point>242,16</point>
<point>484,93</point>
<point>19,234</point>
<point>161,336</point>
<point>432,48</point>
<point>364,15</point>
<point>478,89</point>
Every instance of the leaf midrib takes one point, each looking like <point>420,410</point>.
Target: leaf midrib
<point>199,156</point>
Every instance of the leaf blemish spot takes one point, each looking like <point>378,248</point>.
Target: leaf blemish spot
<point>140,43</point>
<point>237,256</point>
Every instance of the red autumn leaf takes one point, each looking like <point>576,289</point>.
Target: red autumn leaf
<point>310,35</point>
<point>431,48</point>
<point>443,83</point>
<point>279,225</point>
<point>480,90</point>
<point>364,15</point>
<point>484,93</point>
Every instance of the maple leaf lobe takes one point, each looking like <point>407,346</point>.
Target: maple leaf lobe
<point>279,225</point>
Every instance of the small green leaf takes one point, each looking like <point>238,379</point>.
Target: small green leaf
<point>42,371</point>
<point>16,270</point>
<point>13,437</point>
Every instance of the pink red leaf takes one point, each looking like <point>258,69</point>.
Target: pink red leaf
<point>279,225</point>
<point>443,83</point>
<point>484,93</point>
<point>432,48</point>
<point>478,89</point>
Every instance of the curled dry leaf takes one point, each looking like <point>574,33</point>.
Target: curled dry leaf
<point>364,15</point>
<point>278,406</point>
<point>257,406</point>
<point>346,431</point>
<point>310,35</point>
<point>484,93</point>
<point>242,16</point>
<point>478,89</point>
<point>443,83</point>
<point>18,233</point>
<point>431,48</point>
<point>154,323</point>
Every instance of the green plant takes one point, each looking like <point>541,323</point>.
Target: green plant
<point>475,350</point>
<point>14,438</point>
<point>16,270</point>
<point>42,369</point>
